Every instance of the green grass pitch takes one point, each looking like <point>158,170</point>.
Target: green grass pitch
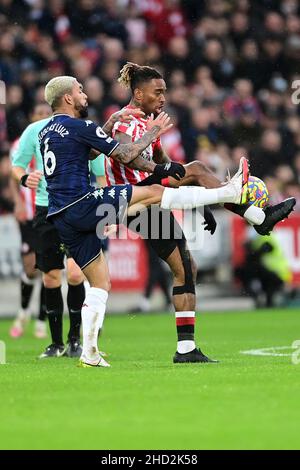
<point>144,401</point>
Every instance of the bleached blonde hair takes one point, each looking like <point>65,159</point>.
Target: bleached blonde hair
<point>58,87</point>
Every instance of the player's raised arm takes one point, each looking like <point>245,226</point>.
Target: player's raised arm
<point>159,169</point>
<point>126,153</point>
<point>138,163</point>
<point>88,133</point>
<point>124,115</point>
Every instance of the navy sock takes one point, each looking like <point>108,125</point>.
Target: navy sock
<point>43,311</point>
<point>55,307</point>
<point>75,299</point>
<point>27,286</point>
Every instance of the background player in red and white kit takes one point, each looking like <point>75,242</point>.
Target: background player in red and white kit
<point>24,199</point>
<point>148,93</point>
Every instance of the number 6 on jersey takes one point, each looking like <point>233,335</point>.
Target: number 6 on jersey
<point>49,159</point>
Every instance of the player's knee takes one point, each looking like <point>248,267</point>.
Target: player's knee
<point>52,279</point>
<point>156,192</point>
<point>75,276</point>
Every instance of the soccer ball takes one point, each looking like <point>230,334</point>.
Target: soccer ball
<point>258,193</point>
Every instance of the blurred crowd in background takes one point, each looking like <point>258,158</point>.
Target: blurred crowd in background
<point>229,66</point>
<point>232,69</point>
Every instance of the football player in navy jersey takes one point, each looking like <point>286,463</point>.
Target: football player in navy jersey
<point>80,213</point>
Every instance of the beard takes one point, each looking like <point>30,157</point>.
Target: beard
<point>83,111</point>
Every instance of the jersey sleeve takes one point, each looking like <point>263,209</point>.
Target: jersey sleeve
<point>87,132</point>
<point>98,165</point>
<point>127,128</point>
<point>25,151</point>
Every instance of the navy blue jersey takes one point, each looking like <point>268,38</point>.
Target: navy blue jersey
<point>65,144</point>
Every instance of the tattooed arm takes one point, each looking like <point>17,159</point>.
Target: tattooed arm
<point>138,163</point>
<point>126,153</point>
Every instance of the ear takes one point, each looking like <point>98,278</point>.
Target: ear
<point>68,98</point>
<point>138,94</point>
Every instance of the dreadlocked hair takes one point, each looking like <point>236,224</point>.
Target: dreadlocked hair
<point>131,75</point>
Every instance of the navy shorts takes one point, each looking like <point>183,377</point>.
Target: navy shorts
<point>48,246</point>
<point>81,225</point>
<point>27,238</point>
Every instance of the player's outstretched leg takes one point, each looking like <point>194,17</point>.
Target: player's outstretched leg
<point>189,197</point>
<point>263,220</point>
<point>275,214</point>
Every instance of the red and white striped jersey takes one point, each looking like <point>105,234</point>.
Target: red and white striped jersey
<point>117,173</point>
<point>27,194</point>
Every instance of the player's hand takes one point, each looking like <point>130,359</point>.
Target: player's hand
<point>162,121</point>
<point>209,223</point>
<point>127,114</point>
<point>33,179</point>
<point>163,170</point>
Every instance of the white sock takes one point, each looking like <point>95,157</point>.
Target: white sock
<point>254,215</point>
<point>189,197</point>
<point>182,318</point>
<point>93,312</point>
<point>185,346</point>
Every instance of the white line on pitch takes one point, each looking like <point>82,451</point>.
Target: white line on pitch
<point>268,351</point>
